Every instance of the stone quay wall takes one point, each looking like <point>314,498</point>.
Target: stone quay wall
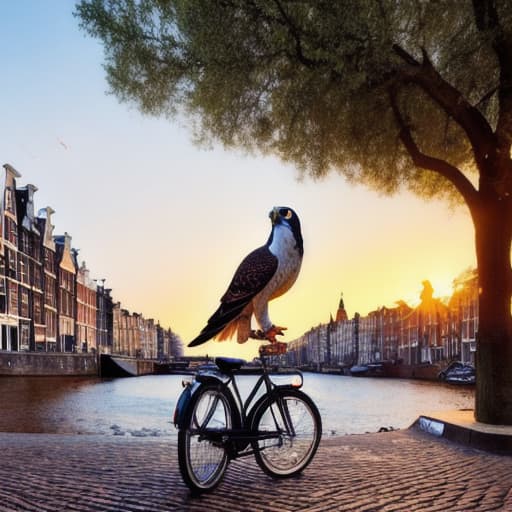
<point>47,364</point>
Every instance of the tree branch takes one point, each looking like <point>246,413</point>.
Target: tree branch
<point>407,57</point>
<point>295,33</point>
<point>487,96</point>
<point>487,21</point>
<point>451,101</point>
<point>448,171</point>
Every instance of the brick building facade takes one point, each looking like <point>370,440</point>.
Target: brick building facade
<point>434,332</point>
<point>48,301</point>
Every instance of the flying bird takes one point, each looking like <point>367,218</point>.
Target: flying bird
<point>263,275</point>
<point>63,144</point>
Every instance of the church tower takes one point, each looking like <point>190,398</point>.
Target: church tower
<point>341,314</point>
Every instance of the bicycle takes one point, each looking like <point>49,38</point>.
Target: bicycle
<point>281,428</point>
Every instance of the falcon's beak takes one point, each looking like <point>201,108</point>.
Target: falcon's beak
<point>274,215</point>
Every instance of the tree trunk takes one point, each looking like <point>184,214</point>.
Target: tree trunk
<point>493,234</point>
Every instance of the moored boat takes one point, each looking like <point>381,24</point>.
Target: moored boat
<point>359,370</point>
<point>458,373</point>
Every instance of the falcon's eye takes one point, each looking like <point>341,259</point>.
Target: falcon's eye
<point>285,213</point>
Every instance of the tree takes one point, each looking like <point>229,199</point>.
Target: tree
<point>390,93</point>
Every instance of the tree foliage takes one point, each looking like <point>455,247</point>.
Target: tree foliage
<point>387,92</point>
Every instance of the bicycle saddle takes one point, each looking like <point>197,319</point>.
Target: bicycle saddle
<point>229,364</point>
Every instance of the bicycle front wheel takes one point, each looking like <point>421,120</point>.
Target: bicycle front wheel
<point>292,422</point>
<point>202,458</point>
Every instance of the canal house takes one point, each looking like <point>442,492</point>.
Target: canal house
<point>9,287</point>
<point>86,309</point>
<point>31,318</point>
<point>49,278</point>
<point>66,292</point>
<point>104,317</point>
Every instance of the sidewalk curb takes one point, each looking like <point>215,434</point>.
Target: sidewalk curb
<point>456,427</point>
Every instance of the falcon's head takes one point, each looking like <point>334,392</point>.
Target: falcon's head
<point>285,216</point>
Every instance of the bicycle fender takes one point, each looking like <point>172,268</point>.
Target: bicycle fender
<point>183,402</point>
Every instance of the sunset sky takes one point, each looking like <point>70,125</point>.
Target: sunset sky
<point>166,223</point>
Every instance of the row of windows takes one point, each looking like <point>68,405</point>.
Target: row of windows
<point>21,268</point>
<point>86,315</point>
<point>85,295</point>
<point>27,245</point>
<point>87,334</point>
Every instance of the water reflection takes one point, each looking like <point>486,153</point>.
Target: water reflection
<point>41,404</point>
<point>357,405</point>
<point>143,406</point>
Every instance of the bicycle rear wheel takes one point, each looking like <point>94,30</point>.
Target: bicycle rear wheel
<point>202,460</point>
<point>295,419</point>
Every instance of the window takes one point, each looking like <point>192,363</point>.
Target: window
<point>11,231</point>
<point>25,311</point>
<point>13,298</point>
<point>25,242</point>
<point>24,336</point>
<point>49,291</point>
<point>9,199</point>
<point>38,309</point>
<point>66,281</point>
<point>23,262</point>
<point>11,263</point>
<point>3,293</point>
<point>36,253</point>
<point>472,329</point>
<point>66,303</point>
<point>49,260</point>
<point>37,276</point>
<point>51,324</point>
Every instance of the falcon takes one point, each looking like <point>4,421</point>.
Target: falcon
<point>263,275</point>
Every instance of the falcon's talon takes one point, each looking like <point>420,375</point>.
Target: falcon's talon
<point>275,330</point>
<point>257,335</point>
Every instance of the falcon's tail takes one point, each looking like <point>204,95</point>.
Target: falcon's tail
<point>205,335</point>
<point>218,321</point>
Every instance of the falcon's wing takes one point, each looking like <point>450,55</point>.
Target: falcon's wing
<point>255,271</point>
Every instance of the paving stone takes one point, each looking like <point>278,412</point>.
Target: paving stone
<point>386,472</point>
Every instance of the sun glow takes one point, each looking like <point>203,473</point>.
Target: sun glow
<point>443,285</point>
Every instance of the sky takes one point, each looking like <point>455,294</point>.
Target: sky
<point>166,223</point>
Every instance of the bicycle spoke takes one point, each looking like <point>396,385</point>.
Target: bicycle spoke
<point>203,458</point>
<point>298,422</point>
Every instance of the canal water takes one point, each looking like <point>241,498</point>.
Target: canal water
<point>143,406</point>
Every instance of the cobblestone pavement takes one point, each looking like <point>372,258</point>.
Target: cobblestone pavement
<point>393,471</point>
